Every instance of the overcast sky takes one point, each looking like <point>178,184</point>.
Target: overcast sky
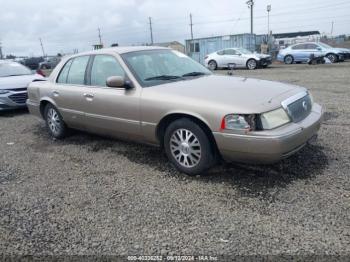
<point>65,25</point>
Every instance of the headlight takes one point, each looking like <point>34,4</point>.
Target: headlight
<point>274,118</point>
<point>238,122</point>
<point>2,92</point>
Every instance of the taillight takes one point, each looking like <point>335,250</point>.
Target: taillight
<point>40,72</point>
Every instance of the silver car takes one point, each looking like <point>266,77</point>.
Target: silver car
<point>14,80</point>
<point>161,97</point>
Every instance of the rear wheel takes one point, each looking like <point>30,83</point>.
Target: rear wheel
<point>188,147</point>
<point>252,64</point>
<point>212,65</point>
<point>332,57</point>
<point>54,122</point>
<point>288,60</point>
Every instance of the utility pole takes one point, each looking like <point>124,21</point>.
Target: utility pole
<point>268,22</point>
<point>0,51</point>
<point>191,25</point>
<point>99,35</point>
<point>250,4</point>
<point>332,29</point>
<point>42,47</point>
<point>150,28</point>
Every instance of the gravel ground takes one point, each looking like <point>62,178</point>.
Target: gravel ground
<point>92,195</point>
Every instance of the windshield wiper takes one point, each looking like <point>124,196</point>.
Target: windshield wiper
<point>162,77</point>
<point>194,74</point>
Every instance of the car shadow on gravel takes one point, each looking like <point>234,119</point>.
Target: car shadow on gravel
<point>14,112</point>
<point>265,180</point>
<point>261,181</point>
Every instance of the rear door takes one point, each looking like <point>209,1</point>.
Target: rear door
<point>112,111</point>
<point>68,92</point>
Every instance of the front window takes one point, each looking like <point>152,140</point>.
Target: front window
<point>324,45</point>
<point>157,67</point>
<point>244,51</point>
<point>13,69</point>
<point>103,67</point>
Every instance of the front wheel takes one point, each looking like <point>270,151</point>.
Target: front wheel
<point>54,122</point>
<point>332,57</point>
<point>288,60</point>
<point>188,147</point>
<point>212,65</point>
<point>252,64</point>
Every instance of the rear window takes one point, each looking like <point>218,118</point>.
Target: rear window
<point>13,69</point>
<point>73,71</point>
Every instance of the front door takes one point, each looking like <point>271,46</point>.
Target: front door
<point>111,111</point>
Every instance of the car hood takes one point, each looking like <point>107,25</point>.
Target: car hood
<point>343,50</point>
<point>13,82</point>
<point>256,56</point>
<point>235,94</point>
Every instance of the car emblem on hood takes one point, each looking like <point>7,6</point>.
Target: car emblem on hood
<point>305,105</point>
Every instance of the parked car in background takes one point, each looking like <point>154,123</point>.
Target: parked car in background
<point>238,57</point>
<point>14,80</point>
<point>302,52</point>
<point>49,62</point>
<point>32,62</point>
<point>160,96</point>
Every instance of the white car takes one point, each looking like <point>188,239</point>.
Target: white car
<point>14,80</point>
<point>237,58</point>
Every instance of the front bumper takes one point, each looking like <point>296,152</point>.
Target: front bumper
<point>13,100</point>
<point>265,61</point>
<point>270,146</point>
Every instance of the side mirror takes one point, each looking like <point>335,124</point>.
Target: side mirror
<point>319,48</point>
<point>118,82</point>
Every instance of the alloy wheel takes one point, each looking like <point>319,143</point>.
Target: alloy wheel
<point>332,58</point>
<point>288,60</point>
<point>212,65</point>
<point>251,64</point>
<point>53,121</point>
<point>185,148</point>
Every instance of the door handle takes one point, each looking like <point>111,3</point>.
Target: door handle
<point>89,97</point>
<point>56,93</point>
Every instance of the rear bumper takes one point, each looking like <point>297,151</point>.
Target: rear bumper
<point>34,108</point>
<point>269,146</point>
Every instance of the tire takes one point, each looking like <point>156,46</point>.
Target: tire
<point>212,65</point>
<point>188,147</point>
<point>288,60</point>
<point>54,122</point>
<point>252,64</point>
<point>332,57</point>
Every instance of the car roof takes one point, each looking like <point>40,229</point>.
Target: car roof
<point>123,50</point>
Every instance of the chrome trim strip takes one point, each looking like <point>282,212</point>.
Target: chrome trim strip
<point>71,111</point>
<point>113,118</point>
<point>148,124</point>
<point>294,98</point>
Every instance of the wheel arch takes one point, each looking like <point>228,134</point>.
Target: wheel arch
<point>171,117</point>
<point>43,103</point>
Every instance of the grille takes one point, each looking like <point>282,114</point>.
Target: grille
<point>300,109</point>
<point>19,98</point>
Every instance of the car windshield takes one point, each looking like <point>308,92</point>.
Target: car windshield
<point>325,45</point>
<point>13,69</point>
<point>244,51</point>
<point>154,67</point>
